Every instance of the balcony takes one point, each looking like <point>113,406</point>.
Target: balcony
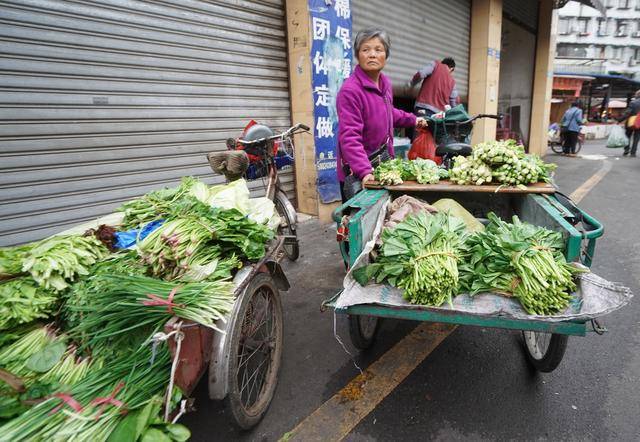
<point>622,34</point>
<point>636,34</point>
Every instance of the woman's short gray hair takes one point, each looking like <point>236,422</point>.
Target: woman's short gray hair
<point>368,34</point>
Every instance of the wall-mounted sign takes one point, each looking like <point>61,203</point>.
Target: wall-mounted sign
<point>331,63</point>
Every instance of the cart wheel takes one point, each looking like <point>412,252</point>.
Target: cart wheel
<point>362,330</point>
<point>544,350</point>
<point>287,227</point>
<point>255,352</point>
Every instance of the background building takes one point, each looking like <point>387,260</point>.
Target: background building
<point>588,43</point>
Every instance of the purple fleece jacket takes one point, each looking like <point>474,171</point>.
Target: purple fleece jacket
<point>366,118</point>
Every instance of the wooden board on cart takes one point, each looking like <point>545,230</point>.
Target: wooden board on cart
<point>448,186</point>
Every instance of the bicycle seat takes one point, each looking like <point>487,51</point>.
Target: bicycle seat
<point>454,149</point>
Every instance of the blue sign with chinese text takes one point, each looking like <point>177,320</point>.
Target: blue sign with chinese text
<point>331,64</point>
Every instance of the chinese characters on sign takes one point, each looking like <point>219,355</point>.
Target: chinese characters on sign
<point>331,64</point>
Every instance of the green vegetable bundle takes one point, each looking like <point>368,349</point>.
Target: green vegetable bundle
<point>56,261</point>
<point>195,235</point>
<point>520,260</point>
<point>502,161</point>
<point>138,304</point>
<point>42,363</point>
<point>495,153</point>
<point>397,171</point>
<point>22,301</point>
<point>155,205</point>
<point>94,407</point>
<point>469,170</point>
<point>420,255</point>
<point>11,259</point>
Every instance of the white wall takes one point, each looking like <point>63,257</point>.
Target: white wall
<point>517,59</point>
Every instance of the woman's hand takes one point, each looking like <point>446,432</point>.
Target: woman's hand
<point>421,122</point>
<point>367,177</point>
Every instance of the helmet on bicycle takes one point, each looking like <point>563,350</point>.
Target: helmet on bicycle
<point>256,132</point>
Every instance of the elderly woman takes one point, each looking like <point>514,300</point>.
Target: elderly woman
<point>366,116</point>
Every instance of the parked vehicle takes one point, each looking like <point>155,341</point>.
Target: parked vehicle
<point>266,152</point>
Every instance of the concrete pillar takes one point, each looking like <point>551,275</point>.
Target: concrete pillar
<point>543,78</point>
<point>299,44</point>
<point>484,65</point>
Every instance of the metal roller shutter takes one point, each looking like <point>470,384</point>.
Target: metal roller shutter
<point>102,101</point>
<point>522,13</point>
<point>420,31</point>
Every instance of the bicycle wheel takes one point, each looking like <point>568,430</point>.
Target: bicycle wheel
<point>255,351</point>
<point>544,350</point>
<point>287,226</point>
<point>363,330</point>
<point>579,144</point>
<point>557,148</point>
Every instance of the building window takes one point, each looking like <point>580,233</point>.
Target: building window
<point>573,51</point>
<point>603,29</point>
<point>583,26</point>
<point>637,5</point>
<point>622,28</point>
<point>615,53</point>
<point>609,3</point>
<point>623,4</point>
<point>564,26</point>
<point>636,54</point>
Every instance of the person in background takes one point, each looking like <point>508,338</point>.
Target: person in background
<point>571,122</point>
<point>366,116</point>
<point>633,110</point>
<point>438,86</point>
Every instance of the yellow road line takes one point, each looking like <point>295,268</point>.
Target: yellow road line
<point>339,415</point>
<point>586,187</point>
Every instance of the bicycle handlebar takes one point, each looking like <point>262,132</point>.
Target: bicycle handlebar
<point>291,131</point>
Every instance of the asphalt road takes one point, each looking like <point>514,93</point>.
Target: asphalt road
<point>476,385</point>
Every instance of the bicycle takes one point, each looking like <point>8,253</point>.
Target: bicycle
<point>255,156</point>
<point>555,142</point>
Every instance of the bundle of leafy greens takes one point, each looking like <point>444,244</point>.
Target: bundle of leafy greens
<point>38,364</point>
<point>504,162</point>
<point>196,235</point>
<point>156,204</point>
<point>397,171</point>
<point>23,301</point>
<point>94,407</point>
<point>130,305</point>
<point>420,255</point>
<point>58,260</point>
<point>519,260</point>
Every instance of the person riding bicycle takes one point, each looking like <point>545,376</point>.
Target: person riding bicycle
<point>571,122</point>
<point>366,116</point>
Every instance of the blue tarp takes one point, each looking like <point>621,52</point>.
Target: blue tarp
<point>127,239</point>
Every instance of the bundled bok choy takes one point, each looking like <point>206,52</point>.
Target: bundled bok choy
<point>520,260</point>
<point>420,255</point>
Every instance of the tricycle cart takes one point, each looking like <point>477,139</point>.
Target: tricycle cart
<point>544,341</point>
<point>242,362</point>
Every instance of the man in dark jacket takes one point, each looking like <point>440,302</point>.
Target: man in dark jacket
<point>632,133</point>
<point>438,86</point>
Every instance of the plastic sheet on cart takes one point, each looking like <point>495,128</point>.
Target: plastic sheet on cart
<point>593,298</point>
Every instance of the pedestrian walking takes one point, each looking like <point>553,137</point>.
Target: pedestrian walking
<point>631,118</point>
<point>570,124</point>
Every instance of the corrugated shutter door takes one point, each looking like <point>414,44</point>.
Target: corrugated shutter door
<point>522,13</point>
<point>420,31</point>
<point>103,101</point>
